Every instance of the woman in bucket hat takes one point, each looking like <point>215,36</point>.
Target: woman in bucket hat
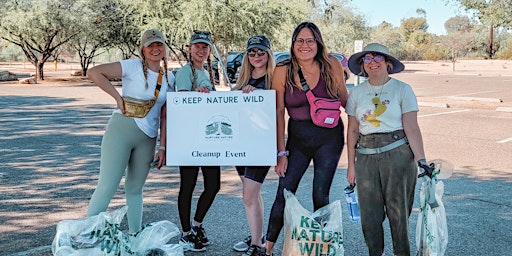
<point>384,144</point>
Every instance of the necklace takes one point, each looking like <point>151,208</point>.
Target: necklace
<point>375,92</point>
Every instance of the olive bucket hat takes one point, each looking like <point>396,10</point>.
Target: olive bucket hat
<point>354,62</point>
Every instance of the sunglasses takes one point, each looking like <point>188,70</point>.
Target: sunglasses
<point>253,53</point>
<point>376,58</point>
<point>308,41</point>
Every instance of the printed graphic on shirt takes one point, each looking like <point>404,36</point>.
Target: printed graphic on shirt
<point>371,115</point>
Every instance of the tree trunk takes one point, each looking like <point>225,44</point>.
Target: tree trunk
<point>491,41</point>
<point>40,70</point>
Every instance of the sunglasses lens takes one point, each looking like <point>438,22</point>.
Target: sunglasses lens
<point>378,58</point>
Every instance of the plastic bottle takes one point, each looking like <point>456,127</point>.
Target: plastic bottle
<point>353,207</point>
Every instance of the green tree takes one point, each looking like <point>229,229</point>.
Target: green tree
<point>493,13</point>
<point>411,25</point>
<point>340,26</point>
<point>458,24</point>
<point>38,27</point>
<point>99,26</point>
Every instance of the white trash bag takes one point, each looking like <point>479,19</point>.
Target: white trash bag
<point>312,234</point>
<point>431,227</point>
<point>100,235</point>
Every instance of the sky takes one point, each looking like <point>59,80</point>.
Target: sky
<point>393,11</point>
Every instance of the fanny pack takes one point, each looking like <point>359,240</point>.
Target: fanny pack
<point>324,112</point>
<point>140,108</point>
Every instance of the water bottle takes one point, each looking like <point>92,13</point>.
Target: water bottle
<point>353,207</point>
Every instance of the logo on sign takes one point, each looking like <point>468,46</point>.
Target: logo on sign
<point>218,128</point>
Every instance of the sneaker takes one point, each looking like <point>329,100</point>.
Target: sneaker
<point>191,242</point>
<point>201,234</point>
<point>243,245</point>
<point>254,250</point>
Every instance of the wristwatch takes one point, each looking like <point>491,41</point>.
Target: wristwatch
<point>283,153</point>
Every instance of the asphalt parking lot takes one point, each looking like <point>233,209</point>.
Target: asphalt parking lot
<point>50,144</point>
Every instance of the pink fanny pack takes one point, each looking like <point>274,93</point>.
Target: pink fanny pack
<point>324,112</point>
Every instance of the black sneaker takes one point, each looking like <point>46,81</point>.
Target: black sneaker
<point>254,250</point>
<point>191,242</point>
<point>201,234</point>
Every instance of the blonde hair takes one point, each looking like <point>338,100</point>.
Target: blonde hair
<point>145,65</point>
<point>246,70</point>
<point>194,74</point>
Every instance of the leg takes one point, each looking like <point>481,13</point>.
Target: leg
<point>298,163</point>
<point>211,176</point>
<point>371,202</point>
<point>136,174</point>
<point>115,152</point>
<point>253,202</point>
<point>399,181</point>
<point>325,162</point>
<point>188,179</point>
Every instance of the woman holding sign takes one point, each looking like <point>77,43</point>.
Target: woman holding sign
<point>256,73</point>
<point>194,77</point>
<point>306,140</point>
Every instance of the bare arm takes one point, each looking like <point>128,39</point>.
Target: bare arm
<point>352,136</point>
<point>340,80</point>
<point>163,137</point>
<point>101,75</point>
<point>278,84</point>
<point>413,133</point>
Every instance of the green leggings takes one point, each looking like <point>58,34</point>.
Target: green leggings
<point>125,149</point>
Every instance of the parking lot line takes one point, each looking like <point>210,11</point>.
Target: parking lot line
<point>445,113</point>
<point>465,94</point>
<point>505,140</point>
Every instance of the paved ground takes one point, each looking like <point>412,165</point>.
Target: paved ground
<point>51,132</point>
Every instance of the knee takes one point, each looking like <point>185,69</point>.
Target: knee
<point>133,190</point>
<point>212,189</point>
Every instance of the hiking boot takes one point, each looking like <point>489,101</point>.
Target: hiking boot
<point>191,242</point>
<point>254,250</point>
<point>201,234</point>
<point>243,245</point>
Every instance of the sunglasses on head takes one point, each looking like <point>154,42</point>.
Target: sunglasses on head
<point>377,58</point>
<point>252,53</point>
<point>199,32</point>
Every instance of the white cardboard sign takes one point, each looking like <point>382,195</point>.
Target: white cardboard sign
<point>221,128</point>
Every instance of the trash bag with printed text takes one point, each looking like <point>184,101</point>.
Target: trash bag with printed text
<point>312,234</point>
<point>100,235</point>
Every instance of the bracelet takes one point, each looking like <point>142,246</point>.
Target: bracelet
<point>282,153</point>
<point>161,147</point>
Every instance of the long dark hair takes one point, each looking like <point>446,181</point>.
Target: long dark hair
<point>322,57</point>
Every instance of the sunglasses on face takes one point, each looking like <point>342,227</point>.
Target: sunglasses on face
<point>252,53</point>
<point>308,41</point>
<point>376,58</point>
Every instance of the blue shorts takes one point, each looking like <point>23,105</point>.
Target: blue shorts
<point>256,173</point>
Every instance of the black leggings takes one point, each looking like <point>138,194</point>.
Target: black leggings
<point>188,179</point>
<point>307,141</point>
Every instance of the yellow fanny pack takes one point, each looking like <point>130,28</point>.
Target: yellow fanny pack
<point>140,108</point>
